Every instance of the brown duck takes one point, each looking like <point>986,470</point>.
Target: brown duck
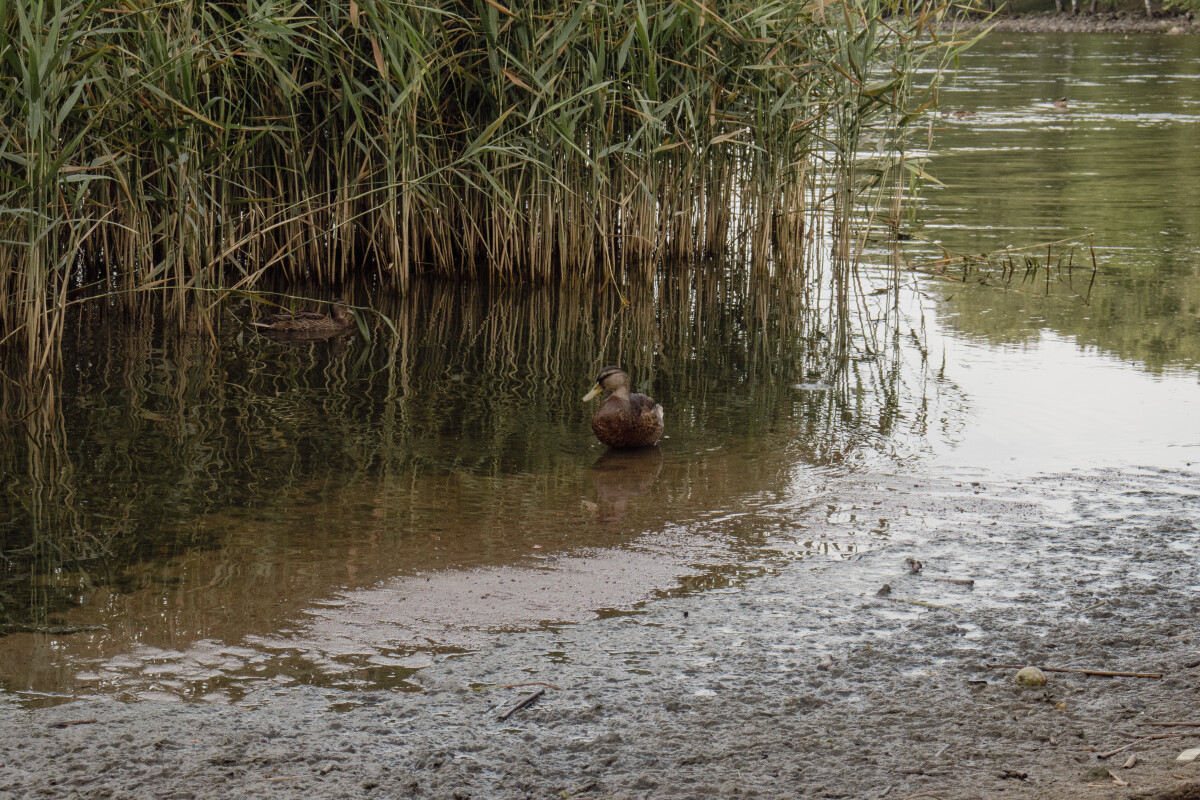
<point>624,419</point>
<point>310,323</point>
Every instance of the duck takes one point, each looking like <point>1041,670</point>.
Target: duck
<point>310,323</point>
<point>1062,103</point>
<point>625,419</point>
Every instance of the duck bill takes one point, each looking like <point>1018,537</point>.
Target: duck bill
<point>595,392</point>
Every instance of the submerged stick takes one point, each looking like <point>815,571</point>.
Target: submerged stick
<point>1087,299</point>
<point>1101,672</point>
<point>51,630</point>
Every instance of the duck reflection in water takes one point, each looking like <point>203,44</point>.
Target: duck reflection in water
<point>619,476</point>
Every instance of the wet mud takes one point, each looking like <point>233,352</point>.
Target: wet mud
<point>806,679</point>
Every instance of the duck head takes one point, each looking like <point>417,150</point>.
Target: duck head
<point>610,379</point>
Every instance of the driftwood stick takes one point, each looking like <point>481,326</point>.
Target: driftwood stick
<point>1183,636</point>
<point>1139,740</point>
<point>1118,750</point>
<point>957,581</point>
<point>528,700</point>
<point>1101,672</point>
<point>1172,724</point>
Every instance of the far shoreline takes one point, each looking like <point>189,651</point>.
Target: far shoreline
<point>1053,22</point>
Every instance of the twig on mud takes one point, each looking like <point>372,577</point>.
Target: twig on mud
<point>1138,741</point>
<point>528,700</point>
<point>1183,636</point>
<point>1104,673</point>
<point>1172,724</point>
<point>531,683</point>
<point>68,723</point>
<point>1111,753</point>
<point>958,581</point>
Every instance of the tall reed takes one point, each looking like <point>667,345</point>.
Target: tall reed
<point>193,145</point>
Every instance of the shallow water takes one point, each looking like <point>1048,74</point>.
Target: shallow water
<point>332,513</point>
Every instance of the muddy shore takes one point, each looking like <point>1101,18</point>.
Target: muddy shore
<point>828,689</point>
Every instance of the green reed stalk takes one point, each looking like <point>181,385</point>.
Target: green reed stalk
<point>191,145</point>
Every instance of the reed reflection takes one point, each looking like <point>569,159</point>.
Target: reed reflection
<point>191,498</point>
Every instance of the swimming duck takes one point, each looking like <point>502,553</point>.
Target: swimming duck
<point>310,323</point>
<point>625,419</point>
<point>1062,103</point>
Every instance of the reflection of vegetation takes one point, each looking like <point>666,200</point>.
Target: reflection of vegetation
<point>1119,166</point>
<point>476,397</point>
<point>1065,268</point>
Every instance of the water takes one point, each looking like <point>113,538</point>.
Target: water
<point>1056,383</point>
<point>205,518</point>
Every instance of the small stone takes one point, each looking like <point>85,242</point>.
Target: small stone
<point>1031,676</point>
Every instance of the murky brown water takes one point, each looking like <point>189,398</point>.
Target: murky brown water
<point>194,517</point>
<point>330,513</point>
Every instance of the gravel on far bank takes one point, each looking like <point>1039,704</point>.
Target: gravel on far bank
<point>1053,22</point>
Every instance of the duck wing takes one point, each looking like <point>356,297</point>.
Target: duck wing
<point>635,422</point>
